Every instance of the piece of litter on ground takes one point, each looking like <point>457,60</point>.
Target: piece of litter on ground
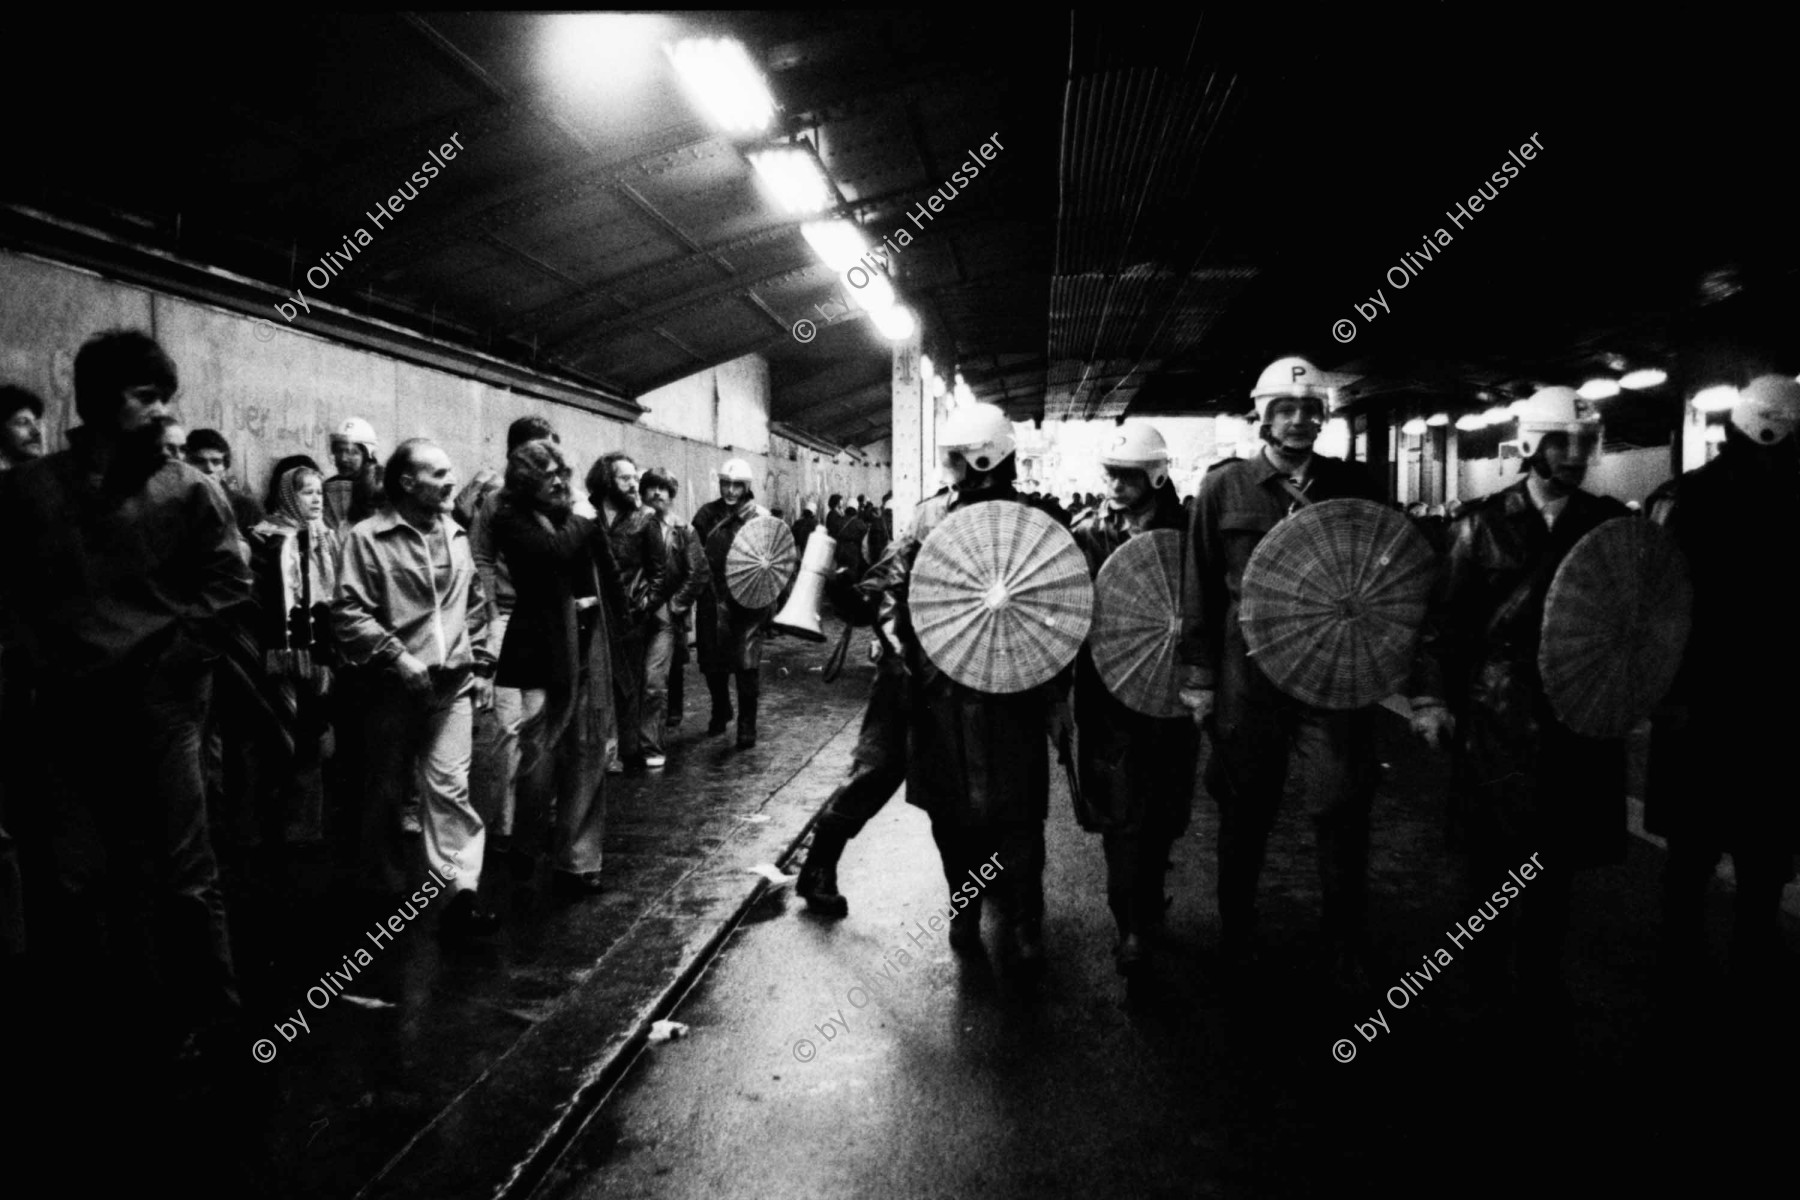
<point>773,874</point>
<point>666,1031</point>
<point>368,1001</point>
<point>757,818</point>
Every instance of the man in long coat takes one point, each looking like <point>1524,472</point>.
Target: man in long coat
<point>730,636</point>
<point>1718,773</point>
<point>560,650</point>
<point>976,762</point>
<point>1137,771</point>
<point>1523,783</point>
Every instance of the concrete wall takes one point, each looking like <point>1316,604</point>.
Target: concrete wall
<point>286,395</point>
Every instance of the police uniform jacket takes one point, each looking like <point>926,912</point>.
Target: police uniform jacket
<point>1521,778</point>
<point>973,758</point>
<point>730,636</point>
<point>1238,504</point>
<point>1137,771</point>
<point>1718,769</point>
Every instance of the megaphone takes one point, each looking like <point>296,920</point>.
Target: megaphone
<point>800,615</point>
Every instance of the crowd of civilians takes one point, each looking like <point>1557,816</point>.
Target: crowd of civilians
<point>364,659</point>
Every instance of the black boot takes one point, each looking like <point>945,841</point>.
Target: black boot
<point>749,685</point>
<point>817,884</point>
<point>719,684</point>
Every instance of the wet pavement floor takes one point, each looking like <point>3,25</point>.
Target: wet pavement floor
<point>441,1068</point>
<point>863,1058</point>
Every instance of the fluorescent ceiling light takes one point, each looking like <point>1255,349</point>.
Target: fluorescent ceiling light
<point>1470,422</point>
<point>1598,389</point>
<point>1644,377</point>
<point>794,176</point>
<point>724,82</point>
<point>895,322</point>
<point>1414,427</point>
<point>839,243</point>
<point>1498,415</point>
<point>1715,399</point>
<point>1437,419</point>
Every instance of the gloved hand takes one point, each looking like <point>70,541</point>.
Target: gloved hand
<point>1434,722</point>
<point>1199,703</point>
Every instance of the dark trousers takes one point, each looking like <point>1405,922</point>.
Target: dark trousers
<point>878,764</point>
<point>1762,872</point>
<point>1531,930</point>
<point>1014,856</point>
<point>629,687</point>
<point>677,686</point>
<point>127,876</point>
<point>1136,864</point>
<point>749,688</point>
<point>1259,733</point>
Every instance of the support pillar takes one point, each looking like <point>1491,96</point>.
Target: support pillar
<point>915,435</point>
<point>1381,462</point>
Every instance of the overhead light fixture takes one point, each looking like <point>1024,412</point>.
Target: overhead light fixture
<point>1598,389</point>
<point>895,322</point>
<point>794,176</point>
<point>1438,420</point>
<point>719,75</point>
<point>1718,398</point>
<point>1414,427</point>
<point>839,244</point>
<point>1470,422</point>
<point>1644,377</point>
<point>1500,414</point>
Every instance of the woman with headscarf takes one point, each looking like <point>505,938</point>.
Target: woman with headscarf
<point>296,565</point>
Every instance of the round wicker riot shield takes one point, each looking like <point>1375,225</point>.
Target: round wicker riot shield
<point>1137,623</point>
<point>1332,602</point>
<point>1000,597</point>
<point>760,562</point>
<point>1616,622</point>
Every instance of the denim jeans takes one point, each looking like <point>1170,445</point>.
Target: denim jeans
<point>494,773</point>
<point>655,707</point>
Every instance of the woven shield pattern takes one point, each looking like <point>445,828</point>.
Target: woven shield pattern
<point>1000,597</point>
<point>1616,622</point>
<point>1137,623</point>
<point>1332,602</point>
<point>760,562</point>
